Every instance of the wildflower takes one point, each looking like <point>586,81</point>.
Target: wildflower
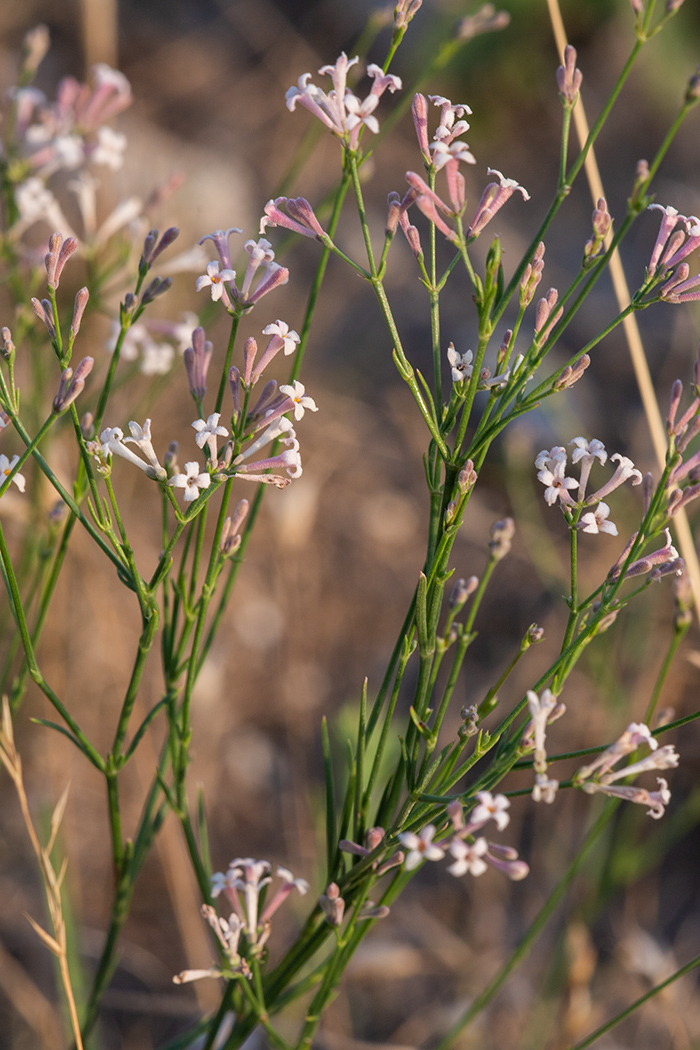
<point>623,472</point>
<point>220,239</point>
<point>595,521</point>
<point>6,468</point>
<point>551,465</point>
<point>296,393</point>
<point>216,281</point>
<point>114,443</point>
<point>469,859</point>
<point>505,859</point>
<point>192,481</point>
<point>461,364</point>
<point>490,807</point>
<point>228,933</point>
<point>585,453</point>
<point>299,217</point>
<point>341,110</point>
<point>58,255</point>
<point>420,847</point>
<point>208,432</point>
<point>670,219</point>
<point>634,735</point>
<point>492,200</point>
<point>545,319</point>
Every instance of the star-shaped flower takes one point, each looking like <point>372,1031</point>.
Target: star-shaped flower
<point>215,280</point>
<point>192,481</point>
<point>420,847</point>
<point>297,394</point>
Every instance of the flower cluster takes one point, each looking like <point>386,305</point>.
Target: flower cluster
<point>244,885</point>
<point>262,270</point>
<point>551,466</point>
<point>445,152</point>
<point>472,854</point>
<point>340,109</point>
<point>599,776</point>
<point>672,246</point>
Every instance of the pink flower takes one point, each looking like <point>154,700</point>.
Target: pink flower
<point>420,847</point>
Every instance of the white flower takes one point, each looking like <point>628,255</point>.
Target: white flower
<point>215,280</point>
<point>109,149</point>
<point>551,465</point>
<point>461,364</point>
<point>289,338</point>
<point>469,858</point>
<point>490,807</point>
<point>113,444</point>
<point>208,432</point>
<point>192,481</point>
<point>420,847</point>
<point>302,401</point>
<point>6,468</point>
<point>156,359</point>
<point>596,521</point>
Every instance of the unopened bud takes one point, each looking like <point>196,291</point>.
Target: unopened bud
<point>419,109</point>
<point>569,78</point>
<point>44,312</point>
<point>450,512</point>
<point>332,904</point>
<point>72,384</point>
<point>693,91</point>
<point>59,253</point>
<point>58,513</point>
<point>683,601</point>
<point>34,46</point>
<point>572,374</point>
<point>7,349</point>
<point>87,426</point>
<point>501,534</point>
<point>81,300</point>
<point>170,460</point>
<point>158,286</point>
<point>532,275</point>
<point>486,20</point>
<point>462,591</point>
<point>466,479</point>
<point>535,633</point>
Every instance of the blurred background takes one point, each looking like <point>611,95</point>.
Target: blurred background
<point>335,558</point>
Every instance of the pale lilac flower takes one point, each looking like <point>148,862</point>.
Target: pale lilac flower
<point>340,110</point>
<point>469,858</point>
<point>685,249</point>
<point>505,859</point>
<point>6,468</point>
<point>192,481</point>
<point>157,359</point>
<point>551,466</point>
<point>299,217</point>
<point>216,281</point>
<point>460,364</point>
<point>596,521</point>
<point>492,200</point>
<point>544,789</point>
<point>208,432</point>
<point>665,557</point>
<point>141,437</point>
<point>220,239</point>
<point>636,734</point>
<point>623,472</point>
<point>541,709</point>
<point>420,847</point>
<point>585,453</point>
<point>289,883</point>
<point>300,400</point>
<point>290,338</point>
<point>489,807</point>
<point>664,758</point>
<point>670,219</point>
<point>656,800</point>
